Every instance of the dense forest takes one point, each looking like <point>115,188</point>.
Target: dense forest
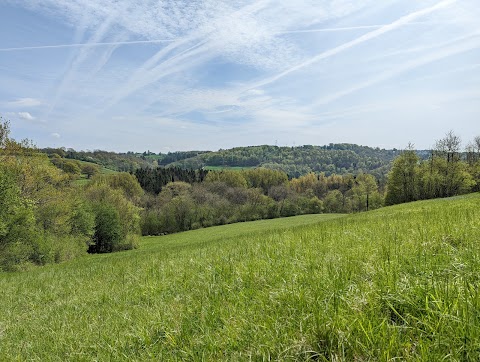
<point>232,196</point>
<point>297,161</point>
<point>59,205</point>
<point>340,159</point>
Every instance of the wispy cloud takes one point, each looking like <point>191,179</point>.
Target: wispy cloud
<point>230,33</point>
<point>24,102</point>
<point>26,116</point>
<point>88,45</point>
<point>248,35</point>
<point>85,52</point>
<point>341,29</point>
<point>362,39</point>
<point>194,68</point>
<point>446,52</point>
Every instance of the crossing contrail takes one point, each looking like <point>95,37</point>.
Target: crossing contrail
<point>87,45</point>
<point>404,20</point>
<point>346,28</point>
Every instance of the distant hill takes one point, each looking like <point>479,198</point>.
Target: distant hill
<point>340,159</point>
<point>295,161</point>
<point>123,162</point>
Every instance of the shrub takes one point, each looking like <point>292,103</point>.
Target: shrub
<point>108,230</point>
<point>151,223</point>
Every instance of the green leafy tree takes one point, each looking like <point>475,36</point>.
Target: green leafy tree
<point>368,188</point>
<point>473,161</point>
<point>125,182</point>
<point>403,179</point>
<point>264,178</point>
<point>129,213</point>
<point>17,224</point>
<point>333,202</point>
<point>108,231</point>
<point>230,178</point>
<point>446,174</point>
<point>90,169</point>
<point>82,221</point>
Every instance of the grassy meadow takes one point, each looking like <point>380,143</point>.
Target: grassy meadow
<point>398,283</point>
<point>82,179</point>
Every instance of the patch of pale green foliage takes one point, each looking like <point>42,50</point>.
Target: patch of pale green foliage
<point>396,283</point>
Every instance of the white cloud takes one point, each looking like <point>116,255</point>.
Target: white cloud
<point>26,116</point>
<point>446,52</point>
<point>215,64</point>
<point>242,32</point>
<point>404,20</point>
<point>55,135</point>
<point>255,92</point>
<point>24,102</point>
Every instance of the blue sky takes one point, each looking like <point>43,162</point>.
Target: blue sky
<point>168,75</point>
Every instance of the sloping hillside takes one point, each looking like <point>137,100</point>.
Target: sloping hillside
<point>400,282</point>
<point>296,161</point>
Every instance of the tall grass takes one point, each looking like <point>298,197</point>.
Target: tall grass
<point>397,283</point>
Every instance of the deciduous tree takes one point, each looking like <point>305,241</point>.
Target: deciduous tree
<point>403,179</point>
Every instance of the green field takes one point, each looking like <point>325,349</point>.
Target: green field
<point>398,283</point>
<point>82,179</point>
<point>103,169</point>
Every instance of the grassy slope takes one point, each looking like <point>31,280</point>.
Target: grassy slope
<point>396,282</point>
<point>82,179</point>
<point>103,169</point>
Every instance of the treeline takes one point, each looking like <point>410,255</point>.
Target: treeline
<point>232,196</point>
<point>172,157</point>
<point>340,159</point>
<point>449,171</point>
<point>154,179</point>
<point>296,161</point>
<point>45,217</point>
<point>122,162</point>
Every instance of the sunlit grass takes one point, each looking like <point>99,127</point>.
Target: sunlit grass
<point>83,180</point>
<point>396,283</point>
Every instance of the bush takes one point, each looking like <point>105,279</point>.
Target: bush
<point>15,256</point>
<point>151,223</point>
<point>17,224</point>
<point>108,230</point>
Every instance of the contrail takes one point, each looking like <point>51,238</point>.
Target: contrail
<point>79,45</point>
<point>347,28</point>
<point>79,58</point>
<point>407,19</point>
<point>155,68</point>
<point>321,30</point>
<point>443,53</point>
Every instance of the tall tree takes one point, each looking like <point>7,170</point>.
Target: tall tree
<point>454,177</point>
<point>402,184</point>
<point>473,160</point>
<point>367,186</point>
